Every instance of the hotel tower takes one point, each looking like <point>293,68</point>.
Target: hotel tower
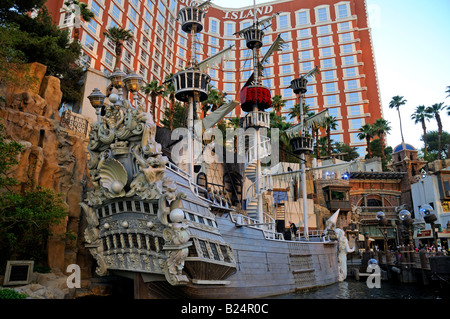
<point>332,35</point>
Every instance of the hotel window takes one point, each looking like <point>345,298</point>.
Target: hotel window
<point>267,39</point>
<point>342,11</point>
<point>345,37</point>
<point>229,65</point>
<point>333,112</point>
<point>310,89</point>
<point>348,60</point>
<point>142,71</point>
<point>213,73</point>
<point>352,85</point>
<point>283,21</point>
<point>133,14</point>
<point>246,74</point>
<point>109,59</point>
<point>95,8</point>
<point>149,4</point>
<point>327,63</point>
<point>213,40</point>
<point>328,75</point>
<point>350,72</point>
<point>336,138</point>
<point>147,17</point>
<point>144,55</point>
<point>181,52</point>
<point>305,43</point>
<point>160,18</point>
<point>285,36</point>
<point>229,29</point>
<point>155,67</point>
<point>267,71</point>
<point>158,42</point>
<point>347,48</point>
<point>67,18</point>
<point>161,7</point>
<point>326,52</point>
<point>127,57</point>
<point>92,26</point>
<point>89,42</point>
<point>310,101</point>
<point>267,82</point>
<point>289,104</point>
<point>146,28</point>
<point>182,41</point>
<point>286,80</point>
<point>229,87</point>
<point>325,40</point>
<point>286,69</point>
<point>356,124</point>
<point>322,14</point>
<point>353,97</point>
<point>173,5</point>
<point>304,55</point>
<point>198,47</point>
<point>115,12</point>
<point>180,63</point>
<point>213,51</point>
<point>355,110</point>
<point>229,75</point>
<point>306,66</point>
<point>287,93</point>
<point>330,87</point>
<point>304,33</point>
<point>135,3</point>
<point>302,18</point>
<point>331,100</point>
<point>324,29</point>
<point>285,57</point>
<point>214,26</point>
<point>344,26</point>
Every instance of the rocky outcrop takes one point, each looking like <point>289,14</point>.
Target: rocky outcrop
<point>53,157</point>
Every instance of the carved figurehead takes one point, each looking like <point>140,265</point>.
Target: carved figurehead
<point>126,164</point>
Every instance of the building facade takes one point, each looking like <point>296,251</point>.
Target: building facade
<point>333,35</point>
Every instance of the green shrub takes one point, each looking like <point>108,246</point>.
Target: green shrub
<point>7,293</point>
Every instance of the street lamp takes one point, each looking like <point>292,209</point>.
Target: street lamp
<point>133,82</point>
<point>97,98</point>
<point>117,80</point>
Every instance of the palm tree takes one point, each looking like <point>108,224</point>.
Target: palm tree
<point>434,110</point>
<point>215,99</point>
<point>396,102</point>
<point>330,123</point>
<point>367,132</point>
<point>154,89</point>
<point>294,112</point>
<point>169,90</point>
<point>277,104</point>
<point>448,91</point>
<point>381,127</point>
<point>84,13</point>
<point>316,135</point>
<point>118,36</point>
<point>421,116</point>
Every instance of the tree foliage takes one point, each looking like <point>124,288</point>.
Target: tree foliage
<point>36,38</point>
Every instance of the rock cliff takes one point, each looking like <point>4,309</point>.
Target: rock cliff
<point>53,157</point>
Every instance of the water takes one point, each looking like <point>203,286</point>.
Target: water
<point>352,289</point>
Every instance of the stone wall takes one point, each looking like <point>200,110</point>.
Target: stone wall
<point>53,157</point>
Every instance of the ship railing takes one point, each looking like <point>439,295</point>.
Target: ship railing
<point>266,183</point>
<point>257,118</point>
<point>267,225</point>
<point>311,233</point>
<point>251,155</point>
<point>175,168</point>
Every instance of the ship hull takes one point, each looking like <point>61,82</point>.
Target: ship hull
<point>265,268</point>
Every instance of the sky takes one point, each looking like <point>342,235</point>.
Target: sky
<point>411,41</point>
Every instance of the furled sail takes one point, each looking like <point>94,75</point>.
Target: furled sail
<point>310,121</point>
<point>214,117</point>
<point>277,45</point>
<point>263,23</point>
<point>215,59</point>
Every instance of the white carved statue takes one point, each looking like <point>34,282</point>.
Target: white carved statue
<point>343,248</point>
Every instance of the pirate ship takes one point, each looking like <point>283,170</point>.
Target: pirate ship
<point>149,220</point>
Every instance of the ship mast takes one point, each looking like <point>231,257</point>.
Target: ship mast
<point>191,85</point>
